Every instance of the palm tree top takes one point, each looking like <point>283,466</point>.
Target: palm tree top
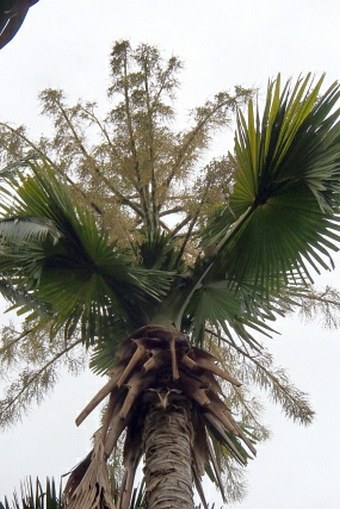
<point>147,298</point>
<point>280,222</point>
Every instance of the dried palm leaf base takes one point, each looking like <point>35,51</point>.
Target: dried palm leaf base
<point>88,485</point>
<point>157,369</point>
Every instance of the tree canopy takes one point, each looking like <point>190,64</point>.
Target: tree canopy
<point>112,226</point>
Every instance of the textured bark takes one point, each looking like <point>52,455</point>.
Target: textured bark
<point>163,391</point>
<point>167,441</point>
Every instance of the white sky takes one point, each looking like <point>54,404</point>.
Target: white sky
<point>66,44</point>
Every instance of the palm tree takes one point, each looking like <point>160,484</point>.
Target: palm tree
<point>153,310</point>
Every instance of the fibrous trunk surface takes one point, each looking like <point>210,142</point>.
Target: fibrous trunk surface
<point>163,392</point>
<point>168,461</point>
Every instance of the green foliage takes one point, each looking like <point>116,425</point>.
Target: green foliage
<point>282,216</point>
<point>113,224</point>
<point>35,496</point>
<point>76,272</point>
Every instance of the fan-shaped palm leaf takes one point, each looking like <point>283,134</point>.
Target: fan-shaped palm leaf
<point>58,252</point>
<point>282,218</point>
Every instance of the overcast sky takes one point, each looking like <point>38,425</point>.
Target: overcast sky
<point>66,44</point>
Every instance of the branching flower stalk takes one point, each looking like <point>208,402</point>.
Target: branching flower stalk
<point>90,257</point>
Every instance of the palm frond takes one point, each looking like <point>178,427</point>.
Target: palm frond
<point>35,496</point>
<point>158,251</point>
<point>22,230</point>
<point>138,499</point>
<point>240,311</point>
<point>282,218</point>
<point>59,252</point>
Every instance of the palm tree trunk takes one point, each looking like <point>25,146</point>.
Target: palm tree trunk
<point>167,439</point>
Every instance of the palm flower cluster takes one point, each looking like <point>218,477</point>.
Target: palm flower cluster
<point>126,249</point>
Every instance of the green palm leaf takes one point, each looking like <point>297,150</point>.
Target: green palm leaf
<point>27,229</point>
<point>283,215</point>
<point>35,496</point>
<point>58,252</point>
<point>238,310</point>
